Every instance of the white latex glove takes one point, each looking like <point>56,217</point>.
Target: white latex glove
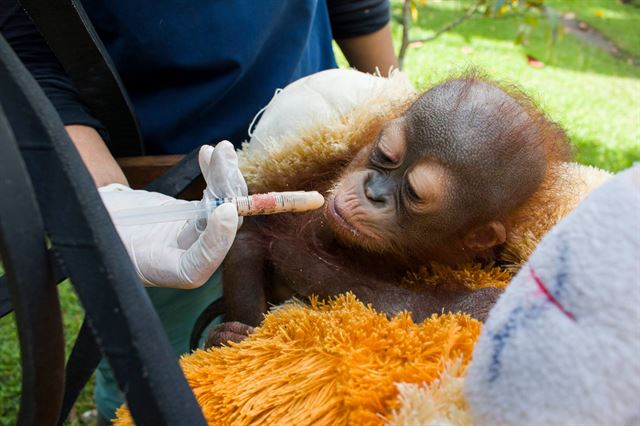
<point>182,254</point>
<point>219,166</point>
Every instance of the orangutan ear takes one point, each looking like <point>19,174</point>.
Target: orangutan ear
<point>485,236</point>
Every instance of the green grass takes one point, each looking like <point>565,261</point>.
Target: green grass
<point>594,96</point>
<point>10,371</point>
<point>617,21</point>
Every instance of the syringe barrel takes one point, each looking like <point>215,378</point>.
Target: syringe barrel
<point>278,202</point>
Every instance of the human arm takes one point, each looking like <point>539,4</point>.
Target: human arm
<point>102,167</point>
<point>371,52</point>
<point>362,30</point>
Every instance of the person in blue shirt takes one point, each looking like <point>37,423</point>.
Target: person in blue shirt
<point>196,73</point>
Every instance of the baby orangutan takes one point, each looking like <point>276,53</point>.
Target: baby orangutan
<point>440,183</point>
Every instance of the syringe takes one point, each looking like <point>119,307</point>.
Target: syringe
<point>252,205</point>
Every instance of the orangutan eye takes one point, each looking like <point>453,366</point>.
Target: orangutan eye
<point>411,192</point>
<point>382,155</point>
<point>382,158</point>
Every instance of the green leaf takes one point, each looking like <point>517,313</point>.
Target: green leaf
<point>497,6</point>
<point>414,11</point>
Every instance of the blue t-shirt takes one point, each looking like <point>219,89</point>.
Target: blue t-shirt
<point>198,71</point>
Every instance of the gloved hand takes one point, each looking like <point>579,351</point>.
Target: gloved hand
<point>219,167</point>
<point>182,254</point>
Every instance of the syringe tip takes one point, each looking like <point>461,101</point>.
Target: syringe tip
<point>315,200</point>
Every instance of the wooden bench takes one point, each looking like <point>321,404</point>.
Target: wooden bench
<point>142,171</point>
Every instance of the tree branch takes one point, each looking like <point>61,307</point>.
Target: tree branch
<point>451,25</point>
<point>406,25</point>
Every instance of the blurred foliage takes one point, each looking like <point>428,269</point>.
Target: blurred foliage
<point>528,12</point>
<point>618,20</point>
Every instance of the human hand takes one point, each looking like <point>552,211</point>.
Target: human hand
<point>219,167</point>
<point>172,254</point>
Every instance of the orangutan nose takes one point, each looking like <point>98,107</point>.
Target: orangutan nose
<point>377,189</point>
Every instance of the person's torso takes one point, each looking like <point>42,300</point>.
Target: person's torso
<point>198,71</point>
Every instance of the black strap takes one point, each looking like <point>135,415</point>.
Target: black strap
<point>70,35</point>
<point>127,328</point>
<point>83,361</point>
<point>34,295</point>
<point>179,177</point>
<point>58,274</point>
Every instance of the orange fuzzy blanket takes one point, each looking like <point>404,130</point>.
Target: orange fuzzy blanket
<point>304,366</point>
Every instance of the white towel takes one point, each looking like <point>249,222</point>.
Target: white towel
<point>562,345</point>
<point>320,99</point>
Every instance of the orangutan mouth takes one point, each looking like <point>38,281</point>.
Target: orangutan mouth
<point>338,218</point>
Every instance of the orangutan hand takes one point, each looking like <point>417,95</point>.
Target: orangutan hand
<point>227,332</point>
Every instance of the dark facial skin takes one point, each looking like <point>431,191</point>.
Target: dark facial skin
<point>437,184</point>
